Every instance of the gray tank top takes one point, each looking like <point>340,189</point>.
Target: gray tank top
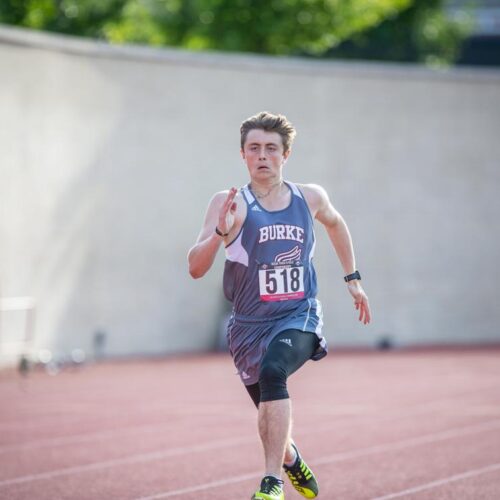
<point>269,270</point>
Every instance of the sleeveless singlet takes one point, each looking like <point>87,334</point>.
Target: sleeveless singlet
<point>268,270</point>
<point>270,279</point>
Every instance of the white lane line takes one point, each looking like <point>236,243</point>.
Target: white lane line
<point>81,438</point>
<point>202,487</point>
<point>48,420</point>
<point>412,411</point>
<point>35,422</point>
<point>339,457</point>
<point>440,482</point>
<point>143,457</point>
<point>416,441</point>
<point>219,444</point>
<point>95,436</point>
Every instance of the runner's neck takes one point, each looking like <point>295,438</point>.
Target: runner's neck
<point>268,190</point>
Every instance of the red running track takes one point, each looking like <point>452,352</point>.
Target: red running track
<point>402,424</point>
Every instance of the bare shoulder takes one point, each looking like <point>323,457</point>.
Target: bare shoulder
<point>315,195</point>
<point>219,198</point>
<point>313,190</point>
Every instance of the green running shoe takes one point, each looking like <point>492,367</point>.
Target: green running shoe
<point>302,477</point>
<point>270,489</point>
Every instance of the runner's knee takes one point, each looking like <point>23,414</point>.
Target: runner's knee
<point>272,380</point>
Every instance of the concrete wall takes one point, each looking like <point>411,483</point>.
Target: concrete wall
<point>109,156</point>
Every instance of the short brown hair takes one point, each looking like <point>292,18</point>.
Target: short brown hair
<point>270,123</point>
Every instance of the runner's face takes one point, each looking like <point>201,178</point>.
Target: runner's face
<point>264,155</point>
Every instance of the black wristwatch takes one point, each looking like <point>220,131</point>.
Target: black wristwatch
<point>219,233</point>
<point>354,276</point>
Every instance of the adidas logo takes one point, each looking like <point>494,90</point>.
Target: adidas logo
<point>255,208</point>
<point>287,341</point>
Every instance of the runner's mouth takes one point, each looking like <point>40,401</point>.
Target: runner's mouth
<point>263,166</point>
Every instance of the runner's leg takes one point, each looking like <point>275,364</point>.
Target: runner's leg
<point>254,392</point>
<point>287,353</point>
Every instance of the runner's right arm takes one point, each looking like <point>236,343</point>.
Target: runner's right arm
<point>220,214</point>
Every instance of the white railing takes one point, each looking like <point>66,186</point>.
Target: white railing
<point>13,350</point>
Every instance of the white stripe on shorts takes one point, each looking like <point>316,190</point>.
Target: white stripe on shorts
<point>307,317</point>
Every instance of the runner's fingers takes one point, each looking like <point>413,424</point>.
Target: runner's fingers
<point>361,305</point>
<point>366,308</point>
<point>229,200</point>
<point>228,203</point>
<point>225,207</point>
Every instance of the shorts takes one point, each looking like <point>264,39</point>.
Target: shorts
<point>249,337</point>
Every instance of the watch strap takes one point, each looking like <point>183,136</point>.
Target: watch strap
<point>354,276</point>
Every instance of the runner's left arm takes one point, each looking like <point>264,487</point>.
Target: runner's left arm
<point>339,235</point>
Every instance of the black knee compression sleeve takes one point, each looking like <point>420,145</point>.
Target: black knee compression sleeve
<point>254,392</point>
<point>288,351</point>
<point>272,379</point>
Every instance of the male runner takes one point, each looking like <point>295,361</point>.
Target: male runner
<point>275,326</point>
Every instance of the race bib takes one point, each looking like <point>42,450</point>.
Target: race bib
<point>284,282</point>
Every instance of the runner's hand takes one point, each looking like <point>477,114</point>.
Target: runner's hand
<point>226,213</point>
<point>360,301</point>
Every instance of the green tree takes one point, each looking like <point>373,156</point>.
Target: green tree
<point>420,33</point>
<point>307,27</point>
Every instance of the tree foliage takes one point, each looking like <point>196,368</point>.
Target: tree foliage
<point>307,27</point>
<point>420,33</point>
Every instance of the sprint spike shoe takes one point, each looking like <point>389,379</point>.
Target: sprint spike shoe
<point>302,477</point>
<point>270,489</point>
